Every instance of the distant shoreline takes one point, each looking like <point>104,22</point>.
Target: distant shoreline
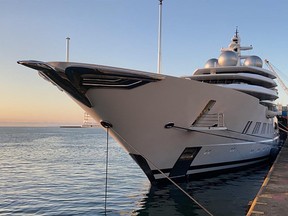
<point>71,126</point>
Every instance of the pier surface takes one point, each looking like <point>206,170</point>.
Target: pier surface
<point>272,199</point>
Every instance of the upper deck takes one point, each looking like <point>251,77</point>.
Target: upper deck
<point>239,72</point>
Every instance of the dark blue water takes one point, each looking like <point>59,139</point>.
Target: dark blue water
<point>61,171</point>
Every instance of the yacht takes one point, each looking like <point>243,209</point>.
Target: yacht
<point>220,118</point>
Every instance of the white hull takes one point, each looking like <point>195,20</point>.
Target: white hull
<point>138,117</point>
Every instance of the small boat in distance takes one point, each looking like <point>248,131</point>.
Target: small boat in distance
<point>221,117</point>
<point>88,122</point>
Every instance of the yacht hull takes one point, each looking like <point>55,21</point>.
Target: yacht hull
<point>139,117</point>
<point>157,122</point>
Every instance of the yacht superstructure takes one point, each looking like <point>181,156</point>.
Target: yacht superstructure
<point>242,73</point>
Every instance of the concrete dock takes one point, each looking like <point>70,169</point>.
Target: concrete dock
<point>272,199</point>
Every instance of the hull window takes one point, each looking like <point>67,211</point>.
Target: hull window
<point>246,128</point>
<point>263,130</point>
<point>256,128</point>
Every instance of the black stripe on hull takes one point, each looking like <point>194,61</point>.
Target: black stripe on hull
<point>150,173</point>
<point>216,164</point>
<point>228,163</point>
<point>144,166</point>
<point>183,163</point>
<point>209,174</point>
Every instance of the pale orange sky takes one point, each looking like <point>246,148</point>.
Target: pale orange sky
<point>42,105</point>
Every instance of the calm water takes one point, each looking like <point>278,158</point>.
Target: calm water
<point>57,171</point>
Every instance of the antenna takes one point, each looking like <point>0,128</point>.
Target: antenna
<point>67,49</point>
<point>159,37</point>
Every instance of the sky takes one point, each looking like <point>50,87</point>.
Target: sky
<point>123,33</point>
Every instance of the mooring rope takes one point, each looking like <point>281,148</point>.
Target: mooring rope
<point>106,171</point>
<point>173,182</point>
<point>285,130</point>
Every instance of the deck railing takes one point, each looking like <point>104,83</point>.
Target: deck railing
<point>210,120</point>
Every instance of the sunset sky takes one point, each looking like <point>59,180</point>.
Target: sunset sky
<point>123,33</point>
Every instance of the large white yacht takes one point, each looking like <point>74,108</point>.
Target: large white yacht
<point>222,117</point>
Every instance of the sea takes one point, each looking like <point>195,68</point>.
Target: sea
<point>62,171</point>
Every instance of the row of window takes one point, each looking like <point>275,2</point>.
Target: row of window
<point>228,81</point>
<point>259,128</point>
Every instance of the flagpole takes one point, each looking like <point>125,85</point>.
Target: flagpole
<point>159,38</point>
<point>67,48</point>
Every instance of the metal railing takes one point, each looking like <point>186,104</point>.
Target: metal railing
<point>210,120</point>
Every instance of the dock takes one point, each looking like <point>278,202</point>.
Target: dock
<point>272,198</point>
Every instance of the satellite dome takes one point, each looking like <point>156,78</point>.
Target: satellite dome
<point>254,61</point>
<point>211,63</point>
<point>228,58</point>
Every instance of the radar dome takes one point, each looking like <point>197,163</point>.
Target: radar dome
<point>211,63</point>
<point>254,61</point>
<point>228,58</point>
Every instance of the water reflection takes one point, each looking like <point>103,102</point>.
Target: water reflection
<point>225,194</point>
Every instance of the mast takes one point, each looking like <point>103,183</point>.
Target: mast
<point>159,37</point>
<point>67,49</point>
